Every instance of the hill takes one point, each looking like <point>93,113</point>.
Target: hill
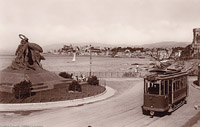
<point>166,44</point>
<point>152,45</point>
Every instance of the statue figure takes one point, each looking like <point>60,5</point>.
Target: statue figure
<point>27,55</point>
<point>26,71</point>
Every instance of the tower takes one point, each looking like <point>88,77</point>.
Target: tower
<point>196,41</point>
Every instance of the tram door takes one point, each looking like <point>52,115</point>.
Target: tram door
<point>170,91</point>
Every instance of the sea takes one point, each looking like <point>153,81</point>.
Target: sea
<point>63,63</point>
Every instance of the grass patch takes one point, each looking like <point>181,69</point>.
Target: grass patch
<point>196,82</point>
<point>57,94</point>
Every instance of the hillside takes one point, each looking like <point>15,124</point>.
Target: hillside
<point>152,45</point>
<point>166,44</point>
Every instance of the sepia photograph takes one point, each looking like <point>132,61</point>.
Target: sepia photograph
<point>99,63</point>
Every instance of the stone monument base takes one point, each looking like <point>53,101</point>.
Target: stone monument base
<point>41,79</point>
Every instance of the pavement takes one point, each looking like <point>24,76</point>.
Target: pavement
<point>121,110</point>
<point>109,92</point>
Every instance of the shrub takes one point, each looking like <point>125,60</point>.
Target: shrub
<point>22,90</point>
<point>65,75</point>
<point>93,80</point>
<point>196,82</point>
<point>75,86</point>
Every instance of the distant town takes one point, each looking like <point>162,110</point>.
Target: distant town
<point>133,52</point>
<point>184,52</point>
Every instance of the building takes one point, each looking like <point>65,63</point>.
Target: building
<point>196,41</point>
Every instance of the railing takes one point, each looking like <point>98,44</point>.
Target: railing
<point>107,74</point>
<point>102,82</point>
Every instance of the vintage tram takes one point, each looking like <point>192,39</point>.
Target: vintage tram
<point>164,91</point>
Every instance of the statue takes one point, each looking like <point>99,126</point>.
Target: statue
<point>26,68</point>
<point>28,55</point>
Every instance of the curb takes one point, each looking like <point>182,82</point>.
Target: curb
<point>195,86</point>
<point>109,92</point>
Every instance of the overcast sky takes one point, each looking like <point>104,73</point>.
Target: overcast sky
<point>101,21</point>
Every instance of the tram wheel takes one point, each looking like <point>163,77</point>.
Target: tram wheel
<point>152,113</point>
<point>185,101</point>
<point>168,113</point>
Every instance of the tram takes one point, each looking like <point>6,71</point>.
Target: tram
<point>164,91</point>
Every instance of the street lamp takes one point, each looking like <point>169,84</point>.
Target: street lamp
<point>90,61</point>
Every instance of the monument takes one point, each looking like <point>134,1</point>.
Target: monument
<point>27,67</point>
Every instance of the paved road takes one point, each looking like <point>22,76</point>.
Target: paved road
<point>122,110</point>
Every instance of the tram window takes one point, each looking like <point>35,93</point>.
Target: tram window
<point>162,88</point>
<point>177,85</point>
<point>176,88</point>
<point>182,83</point>
<point>146,86</point>
<point>170,82</point>
<point>153,88</point>
<point>170,86</point>
<point>174,85</point>
<point>166,88</point>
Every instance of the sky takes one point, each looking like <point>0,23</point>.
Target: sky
<point>132,22</point>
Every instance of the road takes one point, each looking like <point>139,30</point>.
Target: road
<point>121,110</point>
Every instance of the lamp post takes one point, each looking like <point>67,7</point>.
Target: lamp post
<point>90,61</point>
<point>198,55</point>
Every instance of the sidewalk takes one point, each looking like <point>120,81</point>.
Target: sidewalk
<point>109,92</point>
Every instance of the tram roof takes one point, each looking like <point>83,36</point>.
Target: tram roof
<point>165,74</point>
